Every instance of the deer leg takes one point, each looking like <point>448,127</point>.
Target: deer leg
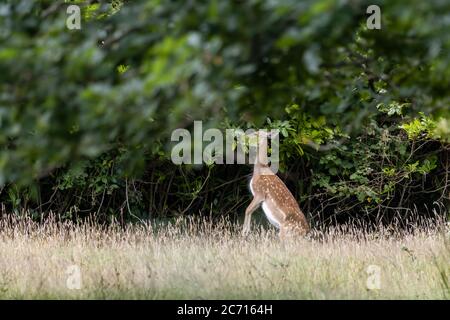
<point>248,213</point>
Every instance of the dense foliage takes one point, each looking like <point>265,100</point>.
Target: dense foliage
<point>86,115</point>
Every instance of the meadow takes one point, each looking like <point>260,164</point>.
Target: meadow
<point>196,259</point>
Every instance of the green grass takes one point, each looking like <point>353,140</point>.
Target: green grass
<point>200,260</point>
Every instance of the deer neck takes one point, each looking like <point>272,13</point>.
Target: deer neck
<point>261,166</point>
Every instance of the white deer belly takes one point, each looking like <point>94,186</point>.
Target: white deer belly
<point>267,210</point>
<point>270,216</point>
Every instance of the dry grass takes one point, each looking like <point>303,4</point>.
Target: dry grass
<point>198,260</point>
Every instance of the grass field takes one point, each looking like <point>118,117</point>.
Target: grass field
<point>199,260</point>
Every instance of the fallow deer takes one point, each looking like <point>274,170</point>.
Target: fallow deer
<point>269,191</point>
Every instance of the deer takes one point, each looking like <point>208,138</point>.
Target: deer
<point>270,192</point>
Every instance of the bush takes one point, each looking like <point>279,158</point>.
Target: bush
<point>85,115</point>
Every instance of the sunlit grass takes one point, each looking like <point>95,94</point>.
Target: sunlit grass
<point>199,260</point>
